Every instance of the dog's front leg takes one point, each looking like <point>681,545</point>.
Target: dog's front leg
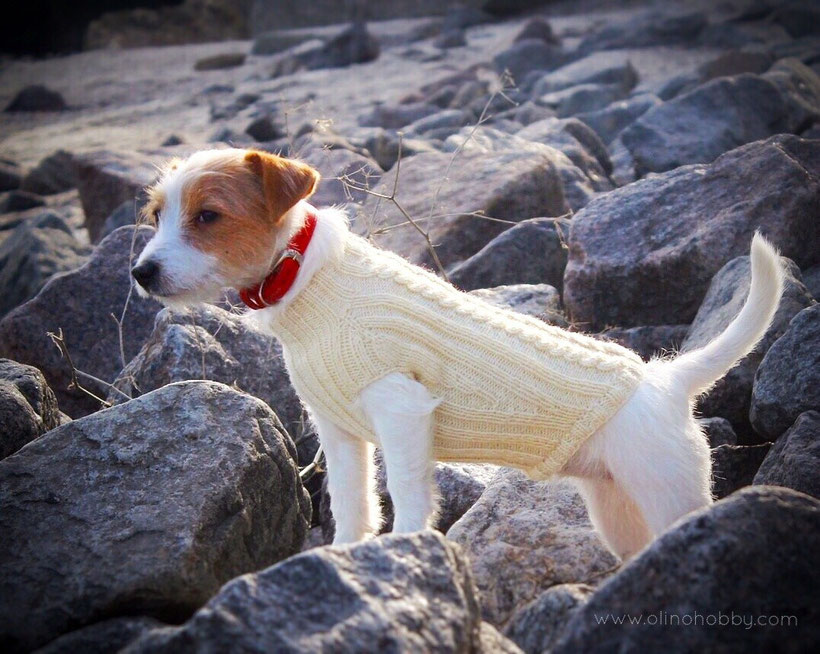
<point>401,412</point>
<point>350,482</point>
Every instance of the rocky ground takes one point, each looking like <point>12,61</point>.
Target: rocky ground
<point>602,168</point>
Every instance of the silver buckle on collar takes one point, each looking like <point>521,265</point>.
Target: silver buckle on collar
<point>289,254</point>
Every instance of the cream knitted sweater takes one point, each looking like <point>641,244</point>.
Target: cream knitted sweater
<point>514,391</point>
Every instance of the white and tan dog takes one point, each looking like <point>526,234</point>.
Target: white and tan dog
<point>385,354</point>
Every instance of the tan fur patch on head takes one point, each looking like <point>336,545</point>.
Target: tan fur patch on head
<point>285,182</point>
<point>151,210</point>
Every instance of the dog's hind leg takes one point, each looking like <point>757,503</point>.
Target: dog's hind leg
<point>350,482</point>
<point>401,412</point>
<point>616,517</point>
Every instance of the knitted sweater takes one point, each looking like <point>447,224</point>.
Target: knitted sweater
<point>515,391</point>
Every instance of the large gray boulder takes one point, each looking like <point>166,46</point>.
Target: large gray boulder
<point>645,254</point>
<point>703,583</point>
<point>28,407</point>
<point>787,382</point>
<point>644,29</point>
<point>794,460</point>
<point>206,342</point>
<point>145,508</point>
<point>404,593</point>
<point>596,68</point>
<point>735,466</point>
<point>34,251</point>
<point>106,179</point>
<point>723,114</point>
<point>648,340</point>
<point>731,396</point>
<point>101,637</point>
<point>522,537</point>
<point>81,303</point>
<point>442,194</point>
<point>610,121</point>
<point>531,252</point>
<point>54,174</point>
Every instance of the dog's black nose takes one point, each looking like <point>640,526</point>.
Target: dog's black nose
<point>145,273</point>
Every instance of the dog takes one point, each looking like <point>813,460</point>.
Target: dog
<point>383,353</point>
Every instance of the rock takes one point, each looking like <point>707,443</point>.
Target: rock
<point>646,29</point>
<point>34,251</point>
<point>397,116</point>
<point>275,41</point>
<point>701,125</point>
<point>20,201</point>
<point>453,38</point>
<point>699,217</point>
<point>527,55</point>
<point>603,68</point>
<point>106,179</point>
<point>787,383</point>
<point>537,28</point>
<point>649,340</point>
<point>80,303</point>
<point>732,395</point>
<point>449,120</point>
<point>353,45</point>
<point>124,215</point>
<point>539,300</point>
<point>493,641</point>
<point>10,176</point>
<point>221,61</point>
<point>718,431</point>
<point>54,174</point>
<point>531,252</point>
<point>263,129</point>
<point>36,97</point>
<point>507,185</point>
<point>794,459</point>
<point>149,508</point>
<point>536,627</point>
<point>610,121</point>
<point>396,593</point>
<point>462,16</point>
<point>344,176</point>
<point>459,485</point>
<point>735,62</point>
<point>172,139</point>
<point>28,407</point>
<point>700,586</point>
<point>811,278</point>
<point>800,86</point>
<point>798,18</point>
<point>735,466</point>
<point>537,533</point>
<point>582,98</point>
<point>384,147</point>
<point>206,342</point>
<point>101,637</point>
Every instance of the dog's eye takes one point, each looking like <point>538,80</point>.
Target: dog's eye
<point>204,217</point>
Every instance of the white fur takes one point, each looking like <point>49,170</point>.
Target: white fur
<point>641,471</point>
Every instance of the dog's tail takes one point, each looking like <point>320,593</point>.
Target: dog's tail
<point>700,369</point>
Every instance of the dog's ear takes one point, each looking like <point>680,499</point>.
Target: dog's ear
<point>284,182</point>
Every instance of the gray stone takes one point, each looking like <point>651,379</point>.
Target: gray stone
<point>745,557</point>
<point>10,175</point>
<point>539,300</point>
<point>538,28</point>
<point>699,126</point>
<point>718,431</point>
<point>578,141</point>
<point>811,278</point>
<point>699,217</point>
<point>531,252</point>
<point>396,116</point>
<point>147,508</point>
<point>648,28</point>
<point>125,214</point>
<point>794,460</point>
<point>276,41</point>
<point>345,175</point>
<point>581,99</point>
<point>398,593</point>
<point>263,129</point>
<point>34,251</point>
<point>101,637</point>
<point>384,147</point>
<point>787,382</point>
<point>54,174</point>
<point>28,407</point>
<point>18,200</point>
<point>206,342</point>
<point>452,119</point>
<point>649,340</point>
<point>81,302</point>
<point>36,97</point>
<point>610,121</point>
<point>536,627</point>
<point>220,61</point>
<point>596,68</point>
<point>507,185</point>
<point>353,45</point>
<point>735,466</point>
<point>732,395</point>
<point>523,537</point>
<point>527,55</point>
<point>106,179</point>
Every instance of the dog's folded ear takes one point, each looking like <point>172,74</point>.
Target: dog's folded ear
<point>284,181</point>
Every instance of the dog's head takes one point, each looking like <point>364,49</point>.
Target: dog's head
<point>220,221</point>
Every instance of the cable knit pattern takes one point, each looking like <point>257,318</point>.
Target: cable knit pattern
<point>515,391</point>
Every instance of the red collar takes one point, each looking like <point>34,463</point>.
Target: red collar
<point>281,277</point>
